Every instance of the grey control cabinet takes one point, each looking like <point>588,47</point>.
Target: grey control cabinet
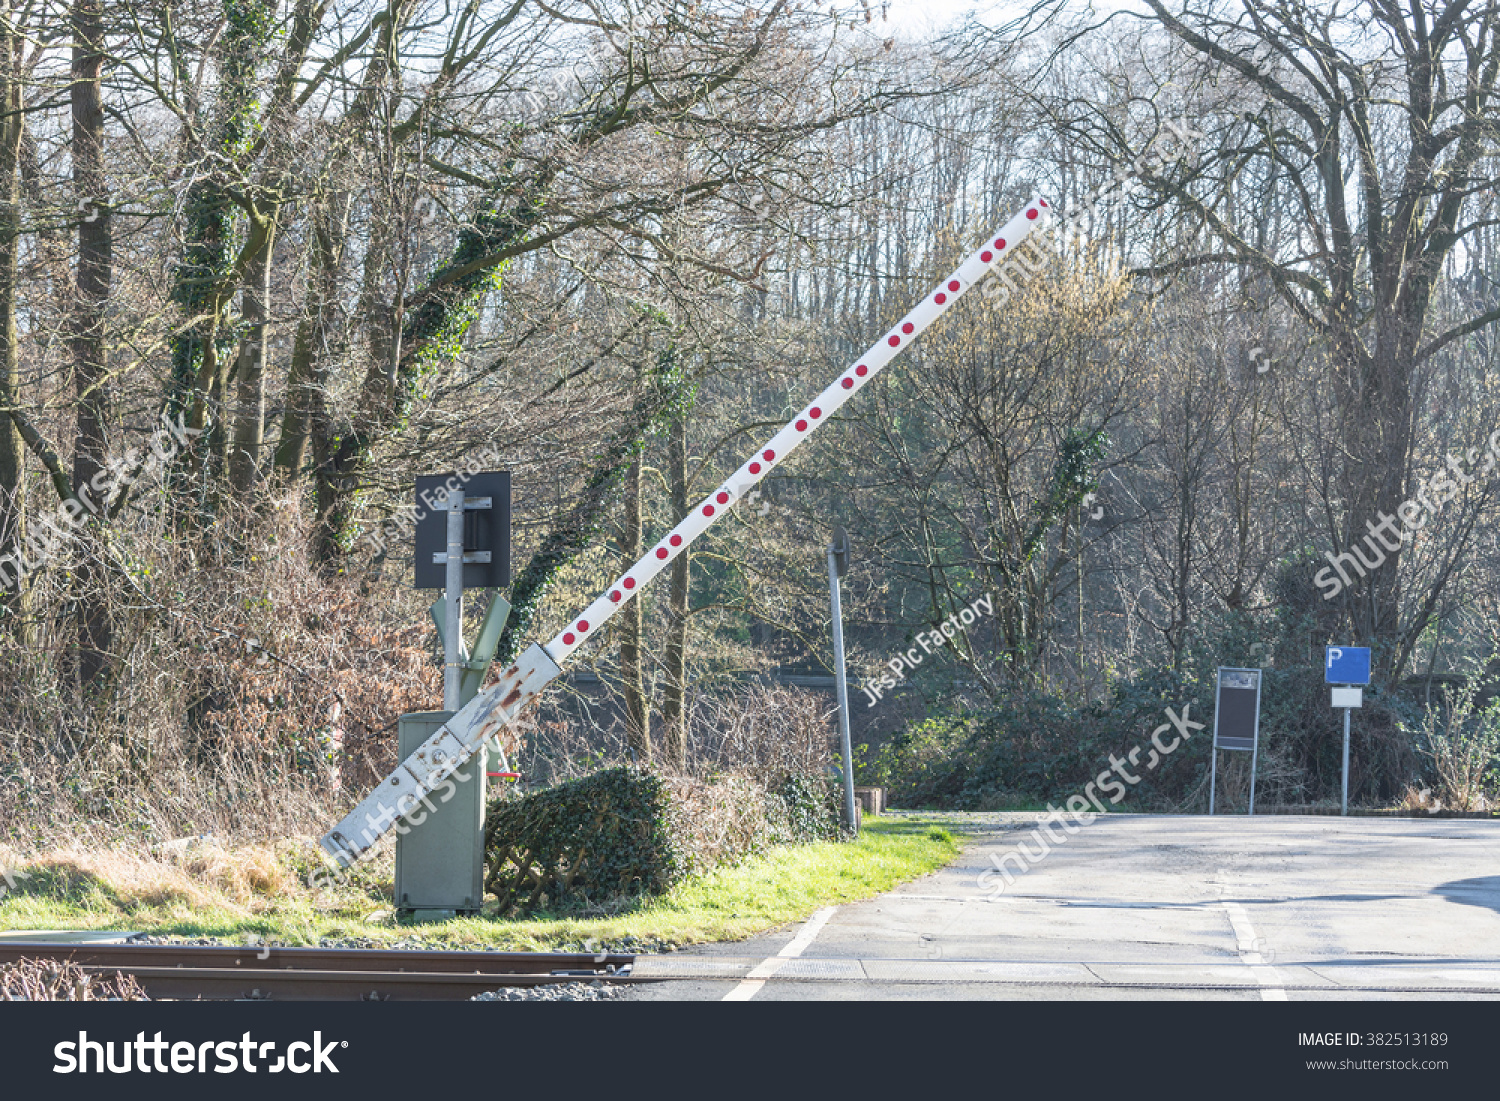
<point>440,859</point>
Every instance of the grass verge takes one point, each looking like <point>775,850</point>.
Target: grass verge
<point>261,891</point>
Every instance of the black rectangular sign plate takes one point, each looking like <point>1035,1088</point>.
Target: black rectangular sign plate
<point>484,529</point>
<point>1235,717</point>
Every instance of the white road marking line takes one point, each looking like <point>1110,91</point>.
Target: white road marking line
<point>756,977</point>
<point>1248,946</point>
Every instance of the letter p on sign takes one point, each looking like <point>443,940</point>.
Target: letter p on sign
<point>1347,665</point>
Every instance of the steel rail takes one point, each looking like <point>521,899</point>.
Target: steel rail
<point>325,974</point>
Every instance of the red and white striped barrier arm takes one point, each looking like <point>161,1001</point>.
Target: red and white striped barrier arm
<point>449,748</point>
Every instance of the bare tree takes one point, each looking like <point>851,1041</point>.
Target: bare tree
<point>1401,102</point>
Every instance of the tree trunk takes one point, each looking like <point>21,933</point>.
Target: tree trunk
<point>95,272</point>
<point>308,378</point>
<point>632,623</point>
<point>250,415</point>
<point>12,448</point>
<point>313,350</point>
<point>1377,410</point>
<point>674,695</point>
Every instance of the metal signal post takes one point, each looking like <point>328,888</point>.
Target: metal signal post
<point>520,683</point>
<point>838,563</point>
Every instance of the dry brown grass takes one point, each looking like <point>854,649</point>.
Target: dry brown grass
<point>189,878</point>
<point>130,880</point>
<point>243,874</point>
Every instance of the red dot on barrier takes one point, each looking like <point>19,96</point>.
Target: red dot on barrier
<point>848,383</point>
<point>583,625</point>
<point>768,455</point>
<point>815,412</point>
<point>755,468</point>
<point>801,426</point>
<point>630,582</point>
<point>894,342</point>
<point>1031,214</point>
<point>1000,242</point>
<point>568,639</point>
<point>722,498</point>
<point>940,298</point>
<point>986,256</point>
<point>615,596</point>
<point>1042,201</point>
<point>908,328</point>
<point>708,510</point>
<point>953,285</point>
<point>676,540</point>
<point>661,552</point>
<point>861,370</point>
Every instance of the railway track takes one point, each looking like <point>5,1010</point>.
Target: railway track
<point>188,972</point>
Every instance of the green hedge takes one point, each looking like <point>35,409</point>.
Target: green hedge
<point>627,832</point>
<point>806,808</point>
<point>605,834</point>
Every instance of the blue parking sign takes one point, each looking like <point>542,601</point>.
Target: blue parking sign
<point>1347,665</point>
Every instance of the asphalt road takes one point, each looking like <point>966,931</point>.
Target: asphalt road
<point>1153,907</point>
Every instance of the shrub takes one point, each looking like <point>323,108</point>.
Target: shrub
<point>1463,743</point>
<point>605,835</point>
<point>248,697</point>
<point>627,832</point>
<point>1032,747</point>
<point>805,807</point>
<point>923,765</point>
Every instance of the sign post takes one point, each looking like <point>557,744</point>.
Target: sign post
<point>453,601</point>
<point>1236,723</point>
<point>1347,665</point>
<point>838,563</point>
<point>462,542</point>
